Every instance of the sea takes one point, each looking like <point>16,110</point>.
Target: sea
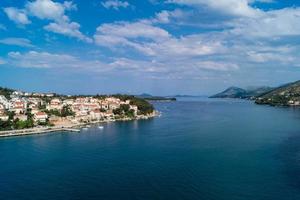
<point>198,149</point>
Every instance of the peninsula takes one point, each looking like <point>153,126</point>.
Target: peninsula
<point>29,113</point>
<point>284,95</point>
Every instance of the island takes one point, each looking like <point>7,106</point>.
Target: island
<point>149,97</point>
<point>30,113</point>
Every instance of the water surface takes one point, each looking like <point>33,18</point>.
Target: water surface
<point>197,149</point>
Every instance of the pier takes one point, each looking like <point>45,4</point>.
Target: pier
<point>34,131</point>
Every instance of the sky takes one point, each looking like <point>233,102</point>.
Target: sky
<point>161,47</point>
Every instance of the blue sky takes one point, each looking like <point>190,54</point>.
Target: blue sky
<point>161,47</point>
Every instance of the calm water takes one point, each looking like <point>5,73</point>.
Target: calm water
<point>198,149</point>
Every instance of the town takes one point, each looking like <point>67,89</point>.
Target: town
<point>21,110</point>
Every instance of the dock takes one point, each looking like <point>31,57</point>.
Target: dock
<point>34,131</point>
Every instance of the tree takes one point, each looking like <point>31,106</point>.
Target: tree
<point>67,111</point>
<point>5,125</point>
<point>124,107</point>
<point>11,115</point>
<point>117,111</point>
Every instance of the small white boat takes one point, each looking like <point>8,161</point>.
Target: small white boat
<point>100,127</point>
<point>85,128</point>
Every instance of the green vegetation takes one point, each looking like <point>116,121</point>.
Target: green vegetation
<point>64,112</point>
<point>67,111</point>
<point>19,124</point>
<point>235,92</point>
<point>281,96</point>
<point>16,124</point>
<point>5,125</point>
<point>6,92</point>
<point>143,105</point>
<point>124,110</point>
<point>160,98</point>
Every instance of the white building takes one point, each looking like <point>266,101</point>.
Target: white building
<point>96,114</point>
<point>4,117</point>
<point>55,104</point>
<point>40,117</point>
<point>4,102</point>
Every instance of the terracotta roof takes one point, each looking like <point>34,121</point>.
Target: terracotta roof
<point>40,113</point>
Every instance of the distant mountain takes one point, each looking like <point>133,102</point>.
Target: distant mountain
<point>145,95</point>
<point>155,98</point>
<point>288,94</point>
<point>187,96</point>
<point>236,92</point>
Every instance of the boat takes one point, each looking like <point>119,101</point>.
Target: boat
<point>100,127</point>
<point>85,128</point>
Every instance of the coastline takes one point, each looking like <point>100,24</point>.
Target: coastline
<point>69,128</point>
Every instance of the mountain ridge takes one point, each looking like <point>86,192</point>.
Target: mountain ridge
<point>237,92</point>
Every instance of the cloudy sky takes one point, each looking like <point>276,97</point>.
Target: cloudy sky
<point>161,47</point>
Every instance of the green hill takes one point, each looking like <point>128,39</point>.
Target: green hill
<point>288,94</point>
<point>235,92</point>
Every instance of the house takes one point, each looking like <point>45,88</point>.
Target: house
<point>34,108</point>
<point>135,108</point>
<point>21,117</point>
<point>27,94</point>
<point>49,95</point>
<point>68,102</point>
<point>96,114</point>
<point>114,105</point>
<point>18,93</point>
<point>55,104</point>
<point>4,102</point>
<point>18,107</point>
<point>4,117</point>
<point>2,109</point>
<point>40,117</point>
<point>104,105</point>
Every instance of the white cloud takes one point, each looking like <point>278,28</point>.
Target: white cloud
<point>166,16</point>
<point>250,21</point>
<point>34,59</point>
<point>279,55</point>
<point>17,15</point>
<point>115,4</point>
<point>133,30</point>
<point>283,22</point>
<point>153,41</point>
<point>23,42</point>
<point>70,29</point>
<point>46,60</point>
<point>127,34</point>
<point>265,1</point>
<point>219,66</point>
<point>164,53</point>
<point>231,7</point>
<point>49,10</point>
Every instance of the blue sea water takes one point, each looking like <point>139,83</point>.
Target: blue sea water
<point>198,149</point>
